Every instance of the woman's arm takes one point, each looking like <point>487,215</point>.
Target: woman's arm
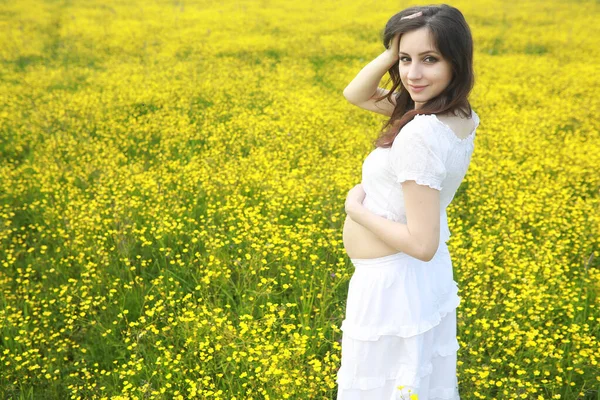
<point>365,84</point>
<point>420,237</point>
<point>395,234</point>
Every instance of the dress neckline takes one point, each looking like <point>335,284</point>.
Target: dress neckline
<point>467,138</point>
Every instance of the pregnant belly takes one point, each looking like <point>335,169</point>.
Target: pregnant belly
<point>359,242</point>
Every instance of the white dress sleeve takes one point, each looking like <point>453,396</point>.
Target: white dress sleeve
<point>418,153</point>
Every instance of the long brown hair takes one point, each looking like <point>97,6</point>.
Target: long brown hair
<point>452,38</point>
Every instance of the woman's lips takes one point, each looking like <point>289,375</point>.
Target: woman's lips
<point>417,88</point>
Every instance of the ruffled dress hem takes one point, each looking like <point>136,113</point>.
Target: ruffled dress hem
<point>370,333</point>
<point>408,375</point>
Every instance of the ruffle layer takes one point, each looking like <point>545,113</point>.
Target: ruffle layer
<point>411,368</point>
<point>445,304</point>
<point>405,375</point>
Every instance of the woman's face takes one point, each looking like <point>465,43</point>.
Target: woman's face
<point>422,66</point>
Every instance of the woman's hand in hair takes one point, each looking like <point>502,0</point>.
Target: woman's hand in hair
<point>392,51</point>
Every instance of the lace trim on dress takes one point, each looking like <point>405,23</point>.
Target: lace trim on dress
<point>430,180</point>
<point>467,139</point>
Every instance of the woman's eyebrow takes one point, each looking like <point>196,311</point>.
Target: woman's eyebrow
<point>425,52</point>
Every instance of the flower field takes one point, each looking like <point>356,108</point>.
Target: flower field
<point>172,185</point>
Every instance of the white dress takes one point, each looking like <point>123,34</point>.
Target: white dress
<point>400,324</point>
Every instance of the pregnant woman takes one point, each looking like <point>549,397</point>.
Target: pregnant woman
<point>399,332</point>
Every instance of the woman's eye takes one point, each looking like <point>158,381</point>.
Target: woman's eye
<point>432,59</point>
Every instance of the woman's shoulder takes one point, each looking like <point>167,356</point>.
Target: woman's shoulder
<point>422,133</point>
<point>425,127</point>
<point>455,128</point>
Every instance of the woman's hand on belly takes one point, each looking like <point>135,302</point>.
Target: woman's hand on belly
<point>355,198</point>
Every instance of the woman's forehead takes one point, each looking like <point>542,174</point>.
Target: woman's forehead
<point>417,41</point>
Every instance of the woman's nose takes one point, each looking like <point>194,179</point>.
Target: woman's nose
<point>414,72</point>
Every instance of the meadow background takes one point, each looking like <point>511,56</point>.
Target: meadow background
<point>172,186</point>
